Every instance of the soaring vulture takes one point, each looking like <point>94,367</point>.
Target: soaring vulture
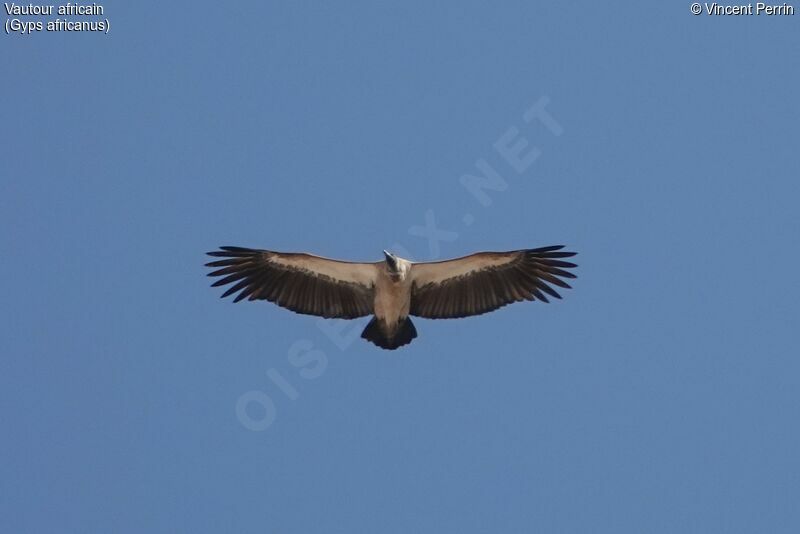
<point>392,289</point>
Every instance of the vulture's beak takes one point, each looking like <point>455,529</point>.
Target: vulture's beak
<point>391,260</point>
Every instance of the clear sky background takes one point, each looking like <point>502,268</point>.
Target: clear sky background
<point>660,396</point>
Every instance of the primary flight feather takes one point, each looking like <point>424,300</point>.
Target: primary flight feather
<point>394,288</point>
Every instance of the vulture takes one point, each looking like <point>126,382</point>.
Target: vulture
<point>393,289</point>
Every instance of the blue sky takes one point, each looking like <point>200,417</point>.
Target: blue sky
<point>661,395</point>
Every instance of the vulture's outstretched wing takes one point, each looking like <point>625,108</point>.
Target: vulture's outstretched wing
<point>485,281</point>
<point>300,282</point>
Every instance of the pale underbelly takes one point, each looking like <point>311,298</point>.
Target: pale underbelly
<point>392,302</point>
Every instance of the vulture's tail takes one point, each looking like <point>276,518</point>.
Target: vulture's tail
<point>403,335</point>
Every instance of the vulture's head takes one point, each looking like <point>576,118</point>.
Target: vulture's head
<point>391,261</point>
<point>397,266</point>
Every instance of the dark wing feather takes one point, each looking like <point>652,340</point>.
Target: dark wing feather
<point>302,283</point>
<point>485,281</point>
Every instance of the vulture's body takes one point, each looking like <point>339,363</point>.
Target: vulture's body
<point>393,289</point>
